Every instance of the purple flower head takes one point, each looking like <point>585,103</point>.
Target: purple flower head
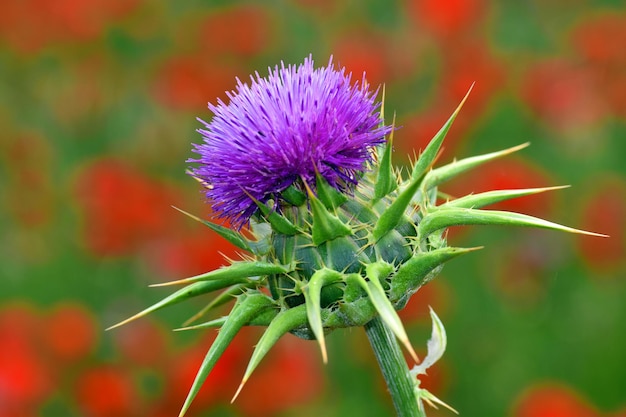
<point>281,130</point>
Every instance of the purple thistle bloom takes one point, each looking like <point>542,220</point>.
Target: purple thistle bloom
<point>280,130</point>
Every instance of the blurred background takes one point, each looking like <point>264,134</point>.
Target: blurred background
<point>98,101</point>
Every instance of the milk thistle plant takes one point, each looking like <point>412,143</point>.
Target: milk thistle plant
<point>332,234</point>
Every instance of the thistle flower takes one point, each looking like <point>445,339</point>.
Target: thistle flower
<point>341,238</point>
<point>281,131</point>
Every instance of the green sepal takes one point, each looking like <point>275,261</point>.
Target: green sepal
<point>279,223</point>
<point>386,181</point>
<point>230,235</point>
<point>328,195</point>
<point>326,226</point>
<point>377,272</point>
<point>491,197</point>
<point>312,295</point>
<point>343,254</point>
<point>446,172</point>
<point>235,271</point>
<point>427,158</point>
<point>190,291</point>
<point>293,196</point>
<point>418,270</point>
<point>284,322</point>
<point>443,218</point>
<point>392,215</point>
<point>247,307</point>
<point>392,247</point>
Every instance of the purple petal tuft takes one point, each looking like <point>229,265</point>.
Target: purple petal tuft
<point>282,129</point>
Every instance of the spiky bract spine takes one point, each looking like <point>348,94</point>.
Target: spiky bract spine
<point>333,260</point>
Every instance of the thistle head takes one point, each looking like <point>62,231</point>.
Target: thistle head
<point>280,131</point>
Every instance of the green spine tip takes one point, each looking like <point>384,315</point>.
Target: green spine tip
<point>312,294</point>
<point>385,309</point>
<point>446,172</point>
<point>491,197</point>
<point>182,294</point>
<point>427,158</point>
<point>284,322</point>
<point>386,181</point>
<point>223,298</point>
<point>234,272</point>
<point>246,308</point>
<point>230,235</point>
<point>326,226</point>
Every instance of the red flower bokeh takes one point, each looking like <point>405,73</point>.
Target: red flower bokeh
<point>552,400</point>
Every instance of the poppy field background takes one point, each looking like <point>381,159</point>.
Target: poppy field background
<point>98,101</point>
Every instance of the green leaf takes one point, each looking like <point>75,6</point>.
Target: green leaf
<point>384,307</point>
<point>235,271</point>
<point>443,218</point>
<point>284,322</point>
<point>427,158</point>
<point>223,298</point>
<point>190,291</point>
<point>312,292</point>
<point>446,172</point>
<point>247,307</point>
<point>491,197</point>
<point>230,235</point>
<point>293,196</point>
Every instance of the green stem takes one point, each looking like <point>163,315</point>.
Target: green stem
<point>394,368</point>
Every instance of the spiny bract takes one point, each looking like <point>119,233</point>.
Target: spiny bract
<point>333,259</point>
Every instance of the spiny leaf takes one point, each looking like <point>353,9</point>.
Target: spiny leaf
<point>284,322</point>
<point>491,197</point>
<point>293,196</point>
<point>386,311</point>
<point>247,307</point>
<point>312,293</point>
<point>183,294</point>
<point>326,226</point>
<point>444,173</point>
<point>328,195</point>
<point>386,181</point>
<point>427,157</point>
<point>413,274</point>
<point>443,218</point>
<point>228,234</point>
<point>234,271</point>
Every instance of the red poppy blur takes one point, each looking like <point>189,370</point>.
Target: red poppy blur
<point>69,333</point>
<point>24,377</point>
<point>363,51</point>
<point>121,207</point>
<point>242,30</point>
<point>30,25</point>
<point>105,391</point>
<point>142,343</point>
<point>552,400</point>
<point>446,19</point>
<point>604,211</point>
<point>189,82</point>
<point>562,94</point>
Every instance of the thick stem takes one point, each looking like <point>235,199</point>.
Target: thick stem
<point>394,368</point>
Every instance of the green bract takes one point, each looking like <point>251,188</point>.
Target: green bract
<point>333,260</point>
